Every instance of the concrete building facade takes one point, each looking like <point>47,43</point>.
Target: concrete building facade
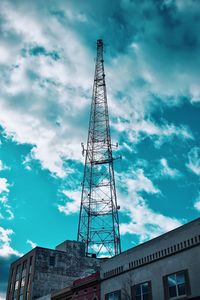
<point>43,271</point>
<point>166,267</point>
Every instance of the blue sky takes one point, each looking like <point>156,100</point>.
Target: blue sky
<point>152,67</point>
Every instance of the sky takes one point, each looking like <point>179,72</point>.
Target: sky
<point>152,67</point>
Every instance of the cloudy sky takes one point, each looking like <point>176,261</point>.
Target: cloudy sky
<point>152,66</point>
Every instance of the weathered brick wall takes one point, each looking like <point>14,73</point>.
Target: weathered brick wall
<point>52,274</point>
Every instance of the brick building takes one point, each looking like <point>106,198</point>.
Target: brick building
<point>43,271</point>
<point>83,288</point>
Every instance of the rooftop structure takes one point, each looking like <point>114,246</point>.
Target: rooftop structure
<point>43,271</point>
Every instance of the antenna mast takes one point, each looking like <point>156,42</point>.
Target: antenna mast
<point>98,220</point>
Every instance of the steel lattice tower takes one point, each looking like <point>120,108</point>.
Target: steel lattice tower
<point>98,219</point>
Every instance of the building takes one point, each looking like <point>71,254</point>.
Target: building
<point>83,288</point>
<point>43,271</point>
<point>166,267</point>
<point>87,288</point>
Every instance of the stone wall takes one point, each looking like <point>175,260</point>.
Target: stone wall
<point>55,269</point>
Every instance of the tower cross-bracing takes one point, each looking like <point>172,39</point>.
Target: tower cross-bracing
<point>98,220</point>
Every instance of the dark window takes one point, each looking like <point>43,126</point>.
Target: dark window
<point>195,238</point>
<point>176,285</point>
<point>29,283</point>
<point>52,261</point>
<point>142,291</point>
<point>23,282</point>
<point>30,265</point>
<point>24,268</point>
<point>18,272</point>
<point>116,295</point>
<point>192,241</point>
<point>188,241</point>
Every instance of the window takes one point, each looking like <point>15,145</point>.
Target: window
<point>29,283</point>
<point>24,268</point>
<point>142,291</point>
<point>23,281</point>
<point>176,285</point>
<point>113,295</point>
<point>18,272</point>
<point>52,261</point>
<point>27,296</point>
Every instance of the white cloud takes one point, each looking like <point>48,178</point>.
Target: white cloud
<point>4,192</point>
<point>2,296</point>
<point>1,165</point>
<point>10,213</point>
<point>73,205</point>
<point>145,222</point>
<point>53,102</point>
<point>140,183</point>
<point>5,240</point>
<point>55,94</point>
<point>167,171</point>
<point>4,185</point>
<point>31,243</point>
<point>194,160</point>
<point>197,203</point>
<point>3,200</point>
